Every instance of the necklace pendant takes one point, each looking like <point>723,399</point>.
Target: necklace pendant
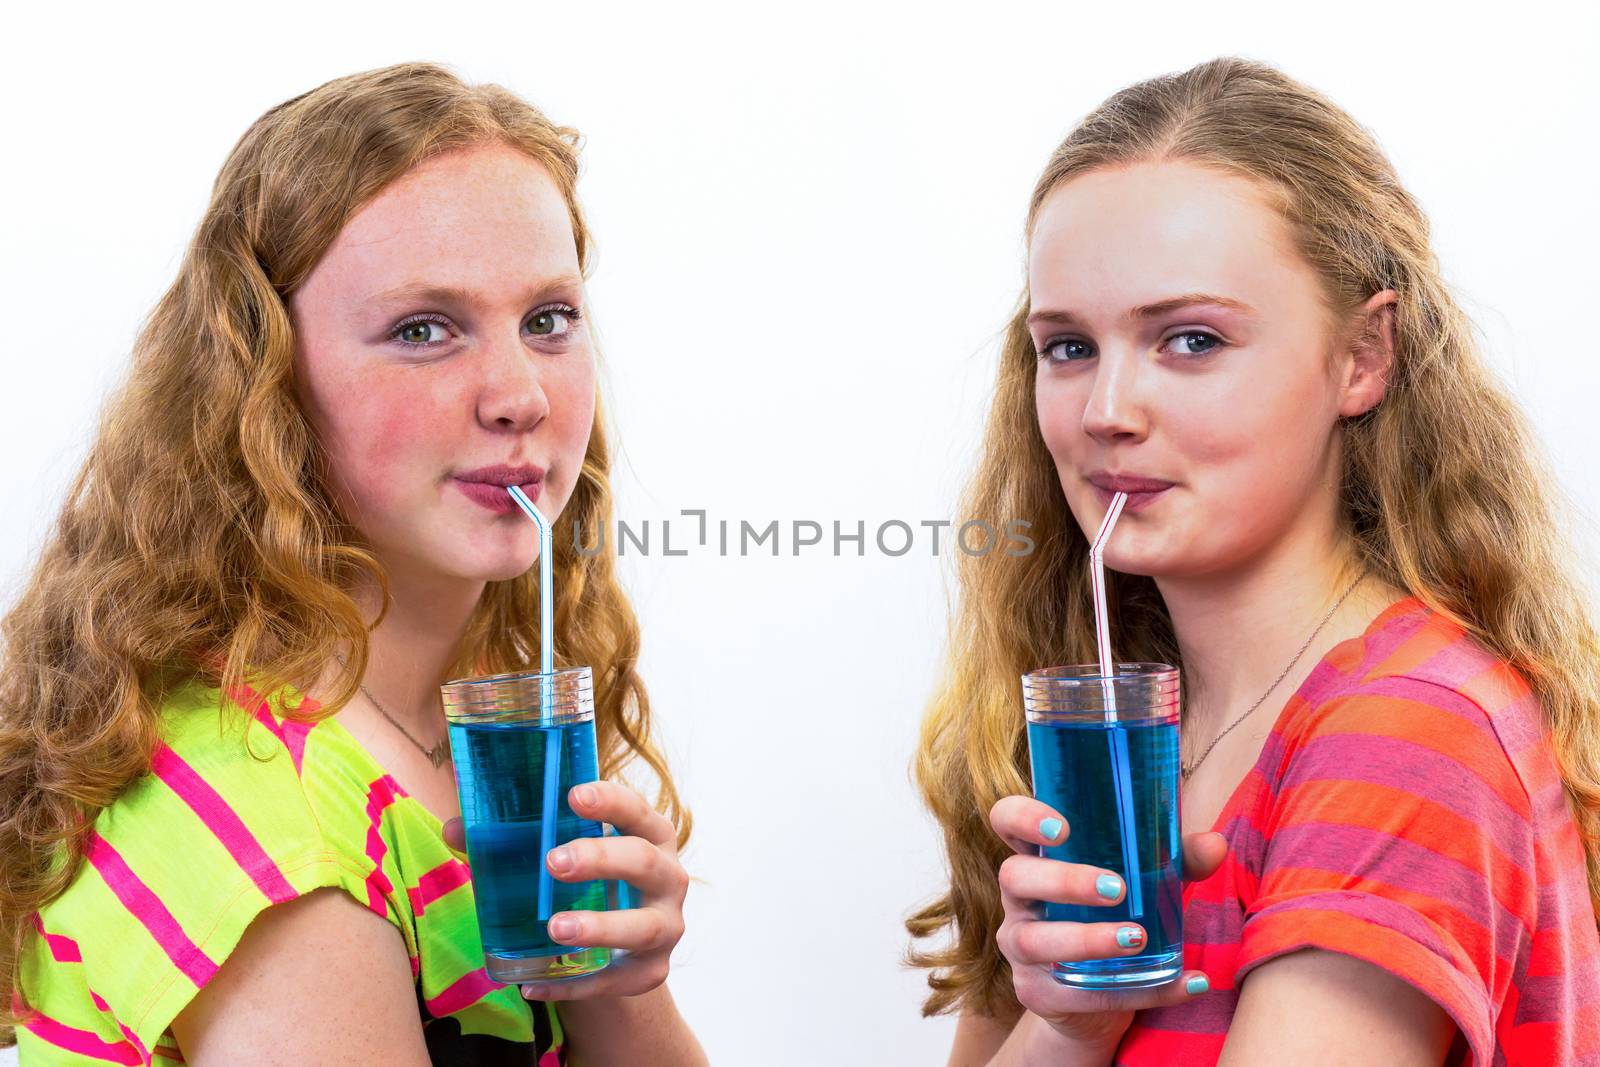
<point>438,754</point>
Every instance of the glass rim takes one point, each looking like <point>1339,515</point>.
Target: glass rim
<point>1079,693</point>
<point>541,697</point>
<point>1089,674</point>
<point>517,675</point>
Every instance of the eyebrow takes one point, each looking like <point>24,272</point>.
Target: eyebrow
<point>1150,311</point>
<point>454,294</point>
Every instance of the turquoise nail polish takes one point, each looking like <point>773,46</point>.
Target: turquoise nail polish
<point>1197,985</point>
<point>1129,936</point>
<point>1108,886</point>
<point>1050,828</point>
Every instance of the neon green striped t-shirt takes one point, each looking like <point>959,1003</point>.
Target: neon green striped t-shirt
<point>244,809</point>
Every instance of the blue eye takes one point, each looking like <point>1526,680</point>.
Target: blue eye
<point>1073,350</point>
<point>1198,333</point>
<point>1049,350</point>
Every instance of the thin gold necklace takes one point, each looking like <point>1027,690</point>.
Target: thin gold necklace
<point>1190,768</point>
<point>436,755</point>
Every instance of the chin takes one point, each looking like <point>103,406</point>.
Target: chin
<point>508,570</point>
<point>1138,568</point>
<point>487,566</point>
<point>1143,564</point>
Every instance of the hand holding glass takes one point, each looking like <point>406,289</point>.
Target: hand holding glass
<point>520,742</point>
<point>1104,751</point>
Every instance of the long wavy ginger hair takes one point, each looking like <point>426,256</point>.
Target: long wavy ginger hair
<point>1442,489</point>
<point>200,538</point>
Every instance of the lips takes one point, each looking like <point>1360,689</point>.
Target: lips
<point>503,474</point>
<point>1127,483</point>
<point>1141,490</point>
<point>487,486</point>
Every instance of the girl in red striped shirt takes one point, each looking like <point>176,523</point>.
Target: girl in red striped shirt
<point>1339,529</point>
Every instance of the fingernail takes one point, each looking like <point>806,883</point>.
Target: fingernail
<point>1050,828</point>
<point>564,928</point>
<point>584,796</point>
<point>1197,985</point>
<point>559,860</point>
<point>531,991</point>
<point>1130,936</point>
<point>1108,886</point>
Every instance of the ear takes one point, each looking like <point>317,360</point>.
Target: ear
<point>1371,354</point>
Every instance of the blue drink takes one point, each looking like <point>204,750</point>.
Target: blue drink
<point>514,768</point>
<point>1116,782</point>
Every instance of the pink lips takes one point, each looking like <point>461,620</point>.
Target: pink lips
<point>1141,490</point>
<point>487,486</point>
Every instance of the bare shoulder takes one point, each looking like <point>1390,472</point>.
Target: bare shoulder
<point>319,979</point>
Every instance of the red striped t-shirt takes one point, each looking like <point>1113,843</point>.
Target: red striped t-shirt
<point>1405,810</point>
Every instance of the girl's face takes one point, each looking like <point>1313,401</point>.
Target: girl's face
<point>441,355</point>
<point>1185,357</point>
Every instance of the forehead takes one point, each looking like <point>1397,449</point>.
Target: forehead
<point>477,214</point>
<point>1116,238</point>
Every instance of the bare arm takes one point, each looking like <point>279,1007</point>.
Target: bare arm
<point>641,1029</point>
<point>978,1039</point>
<point>319,979</point>
<point>984,1041</point>
<point>1345,1011</point>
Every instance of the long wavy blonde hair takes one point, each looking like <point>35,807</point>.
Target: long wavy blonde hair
<point>200,539</point>
<point>1442,487</point>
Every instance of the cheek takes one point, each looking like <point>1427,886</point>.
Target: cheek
<point>572,404</point>
<point>1267,436</point>
<point>1059,408</point>
<point>382,440</point>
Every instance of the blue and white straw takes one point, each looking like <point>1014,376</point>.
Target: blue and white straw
<point>547,664</point>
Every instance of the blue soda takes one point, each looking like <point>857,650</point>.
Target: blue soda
<point>1076,770</point>
<point>500,774</point>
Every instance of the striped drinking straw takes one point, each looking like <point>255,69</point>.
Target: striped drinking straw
<point>1121,769</point>
<point>547,663</point>
<point>547,666</point>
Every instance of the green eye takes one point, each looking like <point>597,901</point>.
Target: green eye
<point>418,333</point>
<point>553,321</point>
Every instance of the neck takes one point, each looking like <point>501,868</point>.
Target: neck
<point>1237,630</point>
<point>410,651</point>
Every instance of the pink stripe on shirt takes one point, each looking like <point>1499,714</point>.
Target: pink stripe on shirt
<point>468,989</point>
<point>148,909</point>
<point>380,794</point>
<point>82,1042</point>
<point>222,821</point>
<point>451,874</point>
<point>62,948</point>
<point>291,732</point>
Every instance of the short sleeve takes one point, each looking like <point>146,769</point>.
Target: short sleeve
<point>1399,833</point>
<point>175,871</point>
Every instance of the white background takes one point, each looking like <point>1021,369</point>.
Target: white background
<point>809,236</point>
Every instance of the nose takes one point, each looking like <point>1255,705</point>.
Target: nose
<point>1115,411</point>
<point>510,394</point>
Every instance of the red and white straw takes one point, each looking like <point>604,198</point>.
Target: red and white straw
<point>1097,577</point>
